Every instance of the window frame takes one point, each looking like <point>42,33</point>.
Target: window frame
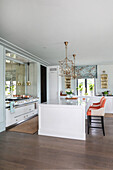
<point>86,86</point>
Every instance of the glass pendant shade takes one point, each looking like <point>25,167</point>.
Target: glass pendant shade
<point>18,83</point>
<point>28,83</point>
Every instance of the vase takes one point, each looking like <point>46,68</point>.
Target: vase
<point>80,93</point>
<point>91,93</point>
<point>68,96</point>
<point>11,93</point>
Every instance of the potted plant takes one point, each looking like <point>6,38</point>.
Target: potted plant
<point>91,88</point>
<point>12,88</point>
<point>80,88</point>
<point>105,93</point>
<point>86,94</point>
<point>69,92</point>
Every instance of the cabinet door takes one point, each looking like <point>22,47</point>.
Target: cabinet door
<point>8,118</point>
<point>53,86</point>
<point>21,113</point>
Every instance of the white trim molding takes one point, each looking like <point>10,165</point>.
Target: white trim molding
<point>9,46</point>
<point>2,92</point>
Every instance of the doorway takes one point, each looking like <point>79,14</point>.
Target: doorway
<point>43,84</point>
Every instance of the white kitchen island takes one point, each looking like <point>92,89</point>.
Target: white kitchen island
<point>63,118</point>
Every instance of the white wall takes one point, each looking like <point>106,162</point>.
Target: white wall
<point>109,71</point>
<point>2,89</point>
<point>73,84</point>
<point>100,68</point>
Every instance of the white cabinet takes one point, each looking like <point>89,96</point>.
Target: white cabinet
<point>109,105</point>
<point>53,83</point>
<point>21,113</point>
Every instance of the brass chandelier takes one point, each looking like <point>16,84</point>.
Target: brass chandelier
<point>67,66</point>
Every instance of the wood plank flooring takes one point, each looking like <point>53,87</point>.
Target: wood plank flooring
<point>19,151</point>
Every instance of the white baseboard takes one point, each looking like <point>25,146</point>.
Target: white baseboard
<point>61,134</point>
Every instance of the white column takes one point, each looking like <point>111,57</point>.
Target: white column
<point>2,89</point>
<point>53,87</point>
<point>38,82</point>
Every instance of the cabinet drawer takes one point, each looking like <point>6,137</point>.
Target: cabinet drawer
<point>33,113</point>
<point>19,111</point>
<point>29,108</point>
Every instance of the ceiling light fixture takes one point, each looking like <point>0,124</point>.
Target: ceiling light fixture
<point>67,66</point>
<point>19,83</point>
<point>28,82</point>
<point>8,54</point>
<point>7,61</point>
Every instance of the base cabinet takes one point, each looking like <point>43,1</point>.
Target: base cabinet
<point>21,113</point>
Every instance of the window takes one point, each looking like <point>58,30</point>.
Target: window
<point>90,81</point>
<point>85,85</point>
<point>14,88</point>
<point>7,88</point>
<point>81,81</point>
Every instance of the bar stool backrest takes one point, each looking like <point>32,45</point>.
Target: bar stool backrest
<point>101,99</point>
<point>103,102</point>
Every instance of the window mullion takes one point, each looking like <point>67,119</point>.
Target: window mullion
<point>85,85</point>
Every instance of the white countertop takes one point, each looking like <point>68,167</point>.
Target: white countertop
<point>88,96</point>
<point>63,101</point>
<point>22,102</point>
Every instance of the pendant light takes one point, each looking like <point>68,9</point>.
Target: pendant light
<point>66,65</point>
<point>28,81</point>
<point>19,83</point>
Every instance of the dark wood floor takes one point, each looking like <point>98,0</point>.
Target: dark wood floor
<point>20,151</point>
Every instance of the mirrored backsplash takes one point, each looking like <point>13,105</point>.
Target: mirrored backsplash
<point>14,78</point>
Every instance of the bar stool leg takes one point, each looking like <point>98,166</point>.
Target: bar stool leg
<point>88,122</point>
<point>102,120</point>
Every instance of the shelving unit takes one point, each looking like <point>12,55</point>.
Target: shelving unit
<point>67,82</point>
<point>104,80</point>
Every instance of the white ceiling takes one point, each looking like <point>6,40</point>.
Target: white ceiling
<point>42,26</point>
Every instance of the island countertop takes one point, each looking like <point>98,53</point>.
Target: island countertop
<point>62,101</point>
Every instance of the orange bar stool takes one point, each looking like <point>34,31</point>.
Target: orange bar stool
<point>96,111</point>
<point>99,103</point>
